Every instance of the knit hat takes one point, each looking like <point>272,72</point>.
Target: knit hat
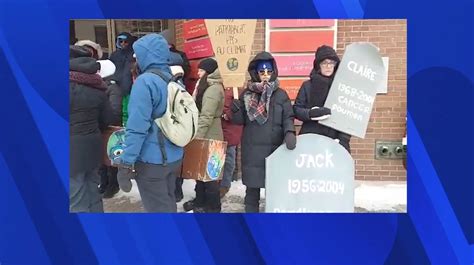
<point>93,45</point>
<point>325,52</point>
<point>265,65</point>
<point>209,65</point>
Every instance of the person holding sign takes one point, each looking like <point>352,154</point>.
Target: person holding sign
<point>264,109</point>
<point>210,103</point>
<point>309,104</point>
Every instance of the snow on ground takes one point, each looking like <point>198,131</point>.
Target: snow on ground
<point>370,196</point>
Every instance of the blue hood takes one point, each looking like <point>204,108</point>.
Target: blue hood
<point>152,51</point>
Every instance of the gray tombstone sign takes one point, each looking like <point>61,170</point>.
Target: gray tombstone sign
<point>351,97</point>
<point>317,176</point>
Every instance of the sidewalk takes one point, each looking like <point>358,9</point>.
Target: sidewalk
<point>370,196</point>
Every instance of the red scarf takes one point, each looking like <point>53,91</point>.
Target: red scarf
<point>91,80</point>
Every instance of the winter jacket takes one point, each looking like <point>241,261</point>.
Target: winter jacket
<point>232,132</point>
<point>209,124</point>
<point>259,141</point>
<point>314,92</point>
<point>89,113</point>
<point>148,101</point>
<point>114,94</point>
<point>122,58</point>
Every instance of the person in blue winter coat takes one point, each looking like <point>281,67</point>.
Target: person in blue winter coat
<point>155,171</point>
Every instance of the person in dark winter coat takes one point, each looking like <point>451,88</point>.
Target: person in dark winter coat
<point>89,114</point>
<point>264,109</point>
<point>309,104</point>
<point>232,135</point>
<point>148,156</point>
<point>122,58</point>
<point>108,174</point>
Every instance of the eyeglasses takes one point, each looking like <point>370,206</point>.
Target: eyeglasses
<point>268,72</point>
<point>328,63</point>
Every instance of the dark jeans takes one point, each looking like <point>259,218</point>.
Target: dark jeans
<point>208,196</point>
<point>156,184</point>
<point>252,200</point>
<point>84,196</point>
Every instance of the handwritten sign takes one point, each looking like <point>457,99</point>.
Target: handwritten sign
<point>301,23</point>
<point>352,93</point>
<point>232,41</point>
<point>297,65</point>
<point>198,48</point>
<point>194,28</point>
<point>317,176</point>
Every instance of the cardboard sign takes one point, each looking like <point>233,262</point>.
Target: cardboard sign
<point>352,93</point>
<point>317,176</point>
<point>232,41</point>
<point>204,160</point>
<point>301,23</point>
<point>198,48</point>
<point>194,28</point>
<point>294,65</point>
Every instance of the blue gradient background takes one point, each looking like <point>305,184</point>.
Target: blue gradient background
<point>36,228</point>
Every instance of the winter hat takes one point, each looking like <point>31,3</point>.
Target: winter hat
<point>265,65</point>
<point>107,68</point>
<point>124,36</point>
<point>209,65</point>
<point>93,45</point>
<point>167,34</point>
<point>79,51</point>
<point>325,52</point>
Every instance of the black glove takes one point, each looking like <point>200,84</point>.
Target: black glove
<point>290,140</point>
<point>235,105</point>
<point>318,112</point>
<point>124,177</point>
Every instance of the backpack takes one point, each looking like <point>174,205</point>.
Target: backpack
<point>179,124</point>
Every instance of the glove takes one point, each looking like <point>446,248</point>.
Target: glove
<point>124,177</point>
<point>235,105</point>
<point>317,113</point>
<point>290,140</point>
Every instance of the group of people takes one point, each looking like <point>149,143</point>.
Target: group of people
<point>260,120</point>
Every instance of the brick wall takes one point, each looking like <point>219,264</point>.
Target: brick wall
<point>387,121</point>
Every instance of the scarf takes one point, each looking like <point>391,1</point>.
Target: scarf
<point>258,100</point>
<point>91,80</point>
<point>319,89</point>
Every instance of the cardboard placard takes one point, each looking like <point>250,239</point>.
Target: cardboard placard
<point>232,41</point>
<point>317,176</point>
<point>204,160</point>
<point>352,93</point>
